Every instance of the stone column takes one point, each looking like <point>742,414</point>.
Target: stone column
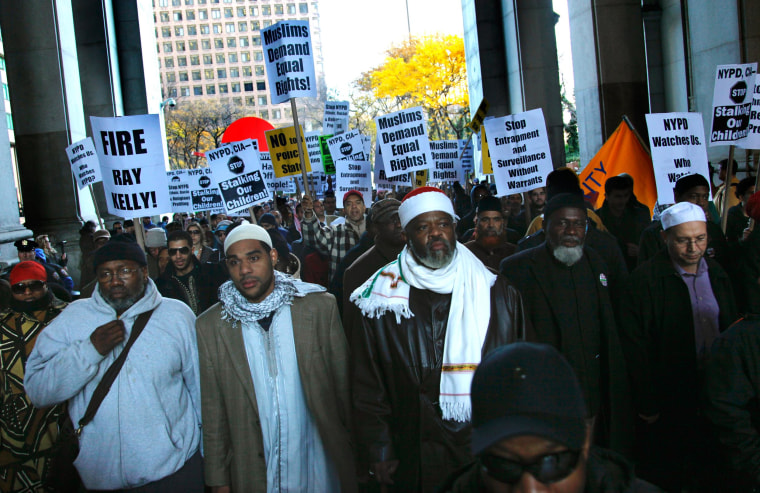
<point>11,228</point>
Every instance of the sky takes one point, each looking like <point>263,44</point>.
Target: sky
<point>355,35</point>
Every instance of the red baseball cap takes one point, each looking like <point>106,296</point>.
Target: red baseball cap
<point>352,192</point>
<point>26,271</point>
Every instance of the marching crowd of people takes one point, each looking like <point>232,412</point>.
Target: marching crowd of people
<point>434,341</point>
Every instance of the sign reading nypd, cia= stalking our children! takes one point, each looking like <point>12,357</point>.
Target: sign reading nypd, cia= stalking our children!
<point>732,103</point>
<point>519,150</point>
<point>237,171</point>
<point>289,57</point>
<point>348,145</point>
<point>204,194</point>
<point>402,136</point>
<point>131,154</point>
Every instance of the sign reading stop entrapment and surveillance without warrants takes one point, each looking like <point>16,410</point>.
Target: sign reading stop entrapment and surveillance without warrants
<point>290,61</point>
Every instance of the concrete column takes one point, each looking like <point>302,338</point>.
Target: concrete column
<point>11,228</point>
<point>652,16</point>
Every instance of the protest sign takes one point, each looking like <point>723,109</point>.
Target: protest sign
<point>131,154</point>
<point>420,178</point>
<point>446,166</point>
<point>274,184</point>
<point>382,181</point>
<point>84,162</point>
<point>519,150</point>
<point>289,57</point>
<point>204,195</point>
<point>353,175</point>
<point>485,154</point>
<point>283,149</point>
<point>314,151</point>
<point>237,171</point>
<point>179,190</point>
<point>403,138</point>
<point>732,101</point>
<point>327,161</point>
<point>335,120</point>
<point>677,144</point>
<point>466,152</point>
<point>348,145</point>
<point>480,114</point>
<point>753,133</point>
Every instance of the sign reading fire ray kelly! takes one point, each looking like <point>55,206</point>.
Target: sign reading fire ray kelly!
<point>237,170</point>
<point>402,136</point>
<point>290,61</point>
<point>131,155</point>
<point>519,150</point>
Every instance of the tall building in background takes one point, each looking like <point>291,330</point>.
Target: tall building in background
<point>211,49</point>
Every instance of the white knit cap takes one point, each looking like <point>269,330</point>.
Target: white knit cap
<point>155,237</point>
<point>247,232</point>
<point>682,212</point>
<point>422,200</point>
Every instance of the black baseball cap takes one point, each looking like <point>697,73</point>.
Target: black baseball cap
<point>526,389</point>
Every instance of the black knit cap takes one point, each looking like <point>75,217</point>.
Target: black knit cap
<point>561,201</point>
<point>119,248</point>
<point>526,389</point>
<point>489,203</point>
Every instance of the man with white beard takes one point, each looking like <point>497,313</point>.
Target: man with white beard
<point>567,301</point>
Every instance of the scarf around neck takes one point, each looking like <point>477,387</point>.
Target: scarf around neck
<point>469,283</point>
<point>237,308</point>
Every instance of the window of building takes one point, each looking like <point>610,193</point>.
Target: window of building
<point>303,8</point>
<point>171,77</point>
<point>177,15</point>
<point>242,27</point>
<point>259,70</point>
<point>266,10</point>
<point>189,2</point>
<point>254,11</point>
<point>276,114</point>
<point>164,16</point>
<point>193,45</point>
<point>163,3</point>
<point>168,62</point>
<point>278,9</point>
<point>221,73</point>
<point>245,57</point>
<point>223,89</point>
<point>195,60</point>
<point>248,86</point>
<point>201,2</point>
<point>211,89</point>
<point>267,24</point>
<point>244,41</point>
<point>183,77</point>
<point>235,86</point>
<point>234,72</point>
<point>196,75</point>
<point>255,26</point>
<point>167,47</point>
<point>220,58</point>
<point>206,44</point>
<point>219,43</point>
<point>232,57</point>
<point>262,100</point>
<point>184,91</point>
<point>216,14</point>
<point>247,71</point>
<point>229,27</point>
<point>9,121</point>
<point>166,32</point>
<point>182,61</point>
<point>250,101</point>
<point>257,41</point>
<point>205,29</point>
<point>291,9</point>
<point>264,114</point>
<point>208,60</point>
<point>180,46</point>
<point>261,85</point>
<point>228,14</point>
<point>172,92</point>
<point>208,74</point>
<point>176,3</point>
<point>231,42</point>
<point>192,30</point>
<point>203,14</point>
<point>217,28</point>
<point>258,56</point>
<point>237,101</point>
<point>190,15</point>
<point>241,11</point>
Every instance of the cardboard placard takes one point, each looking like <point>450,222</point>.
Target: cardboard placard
<point>289,57</point>
<point>237,171</point>
<point>84,162</point>
<point>402,135</point>
<point>732,103</point>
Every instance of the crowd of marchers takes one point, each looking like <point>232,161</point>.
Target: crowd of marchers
<point>429,340</point>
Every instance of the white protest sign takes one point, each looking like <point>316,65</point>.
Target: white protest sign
<point>335,119</point>
<point>348,145</point>
<point>274,184</point>
<point>382,181</point>
<point>314,151</point>
<point>446,166</point>
<point>289,57</point>
<point>468,156</point>
<point>84,162</point>
<point>237,171</point>
<point>519,148</point>
<point>732,101</point>
<point>204,195</point>
<point>131,154</point>
<point>403,138</point>
<point>353,175</point>
<point>753,134</point>
<point>179,190</point>
<point>677,141</point>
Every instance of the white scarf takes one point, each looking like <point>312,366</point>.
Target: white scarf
<point>469,282</point>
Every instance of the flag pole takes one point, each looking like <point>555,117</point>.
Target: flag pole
<point>727,188</point>
<point>644,144</point>
<point>299,138</point>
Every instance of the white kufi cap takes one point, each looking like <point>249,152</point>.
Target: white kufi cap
<point>247,232</point>
<point>682,212</point>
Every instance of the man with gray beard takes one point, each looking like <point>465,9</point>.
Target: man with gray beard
<point>567,302</point>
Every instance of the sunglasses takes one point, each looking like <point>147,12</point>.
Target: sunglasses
<point>193,231</point>
<point>546,469</point>
<point>175,251</point>
<point>221,233</point>
<point>21,287</point>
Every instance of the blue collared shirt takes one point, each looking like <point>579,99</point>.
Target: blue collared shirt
<point>704,307</point>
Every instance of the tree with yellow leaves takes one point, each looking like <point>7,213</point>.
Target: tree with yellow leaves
<point>423,71</point>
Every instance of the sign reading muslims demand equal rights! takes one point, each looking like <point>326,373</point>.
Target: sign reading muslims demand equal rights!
<point>289,60</point>
<point>402,136</point>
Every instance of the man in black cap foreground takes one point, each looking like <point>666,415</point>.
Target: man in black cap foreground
<point>490,245</point>
<point>530,432</point>
<point>567,301</point>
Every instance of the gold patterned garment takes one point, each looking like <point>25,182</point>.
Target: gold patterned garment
<point>27,434</point>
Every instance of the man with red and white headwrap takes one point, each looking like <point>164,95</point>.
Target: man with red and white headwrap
<point>428,318</point>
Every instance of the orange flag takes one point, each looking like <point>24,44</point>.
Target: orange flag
<point>622,153</point>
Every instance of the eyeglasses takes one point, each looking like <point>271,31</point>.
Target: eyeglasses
<point>546,469</point>
<point>175,251</point>
<point>221,233</point>
<point>123,274</point>
<point>193,232</point>
<point>21,287</point>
